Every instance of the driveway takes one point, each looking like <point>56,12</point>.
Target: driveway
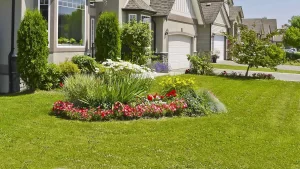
<point>281,67</point>
<point>278,76</point>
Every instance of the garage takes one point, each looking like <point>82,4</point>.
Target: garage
<point>179,48</point>
<point>219,45</point>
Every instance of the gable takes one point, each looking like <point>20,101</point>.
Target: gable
<point>222,19</point>
<point>183,8</point>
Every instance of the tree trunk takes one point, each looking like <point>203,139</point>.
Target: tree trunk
<point>247,71</point>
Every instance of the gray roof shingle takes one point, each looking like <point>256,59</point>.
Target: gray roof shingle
<point>234,12</point>
<point>261,25</point>
<point>163,7</point>
<point>138,4</point>
<point>210,9</point>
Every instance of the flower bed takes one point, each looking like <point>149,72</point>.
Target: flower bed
<point>154,106</point>
<point>254,75</point>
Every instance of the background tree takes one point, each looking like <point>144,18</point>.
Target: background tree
<point>255,52</point>
<point>292,33</point>
<point>108,43</point>
<point>32,49</point>
<point>136,38</point>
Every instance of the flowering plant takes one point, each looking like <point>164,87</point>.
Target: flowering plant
<point>177,84</point>
<point>254,75</point>
<point>120,111</point>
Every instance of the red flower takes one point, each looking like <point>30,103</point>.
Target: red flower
<point>150,97</point>
<point>172,93</point>
<point>61,84</point>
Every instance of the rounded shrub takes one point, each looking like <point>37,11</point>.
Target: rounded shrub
<point>108,43</point>
<point>32,49</point>
<point>52,78</point>
<point>85,63</point>
<point>68,68</point>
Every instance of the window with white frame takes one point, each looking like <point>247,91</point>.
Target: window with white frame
<point>146,19</point>
<point>132,17</point>
<point>71,22</point>
<point>44,7</point>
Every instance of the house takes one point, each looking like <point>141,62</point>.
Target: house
<point>262,26</point>
<point>180,27</point>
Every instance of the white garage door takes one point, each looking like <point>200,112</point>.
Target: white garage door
<point>179,48</point>
<point>219,45</point>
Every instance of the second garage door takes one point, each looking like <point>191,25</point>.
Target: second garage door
<point>219,45</point>
<point>179,48</point>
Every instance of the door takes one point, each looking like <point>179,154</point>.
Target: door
<point>219,46</point>
<point>179,48</point>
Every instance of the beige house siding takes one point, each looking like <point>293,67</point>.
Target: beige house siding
<point>219,30</point>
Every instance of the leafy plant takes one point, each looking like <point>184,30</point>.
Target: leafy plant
<point>104,90</point>
<point>32,49</point>
<point>181,85</point>
<point>69,68</point>
<point>72,41</point>
<point>52,78</point>
<point>136,38</point>
<point>255,52</point>
<point>62,40</point>
<point>292,33</point>
<point>214,104</point>
<point>201,64</point>
<point>81,42</point>
<point>197,105</point>
<point>108,43</point>
<point>85,63</point>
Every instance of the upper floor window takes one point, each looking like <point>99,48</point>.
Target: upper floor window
<point>132,17</point>
<point>71,22</point>
<point>44,7</point>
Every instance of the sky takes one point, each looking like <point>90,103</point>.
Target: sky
<point>282,10</point>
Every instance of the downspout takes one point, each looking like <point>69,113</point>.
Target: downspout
<point>12,46</point>
<point>154,34</point>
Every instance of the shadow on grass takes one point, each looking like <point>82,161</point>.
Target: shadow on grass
<point>27,92</point>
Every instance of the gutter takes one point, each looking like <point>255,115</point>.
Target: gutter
<point>12,46</point>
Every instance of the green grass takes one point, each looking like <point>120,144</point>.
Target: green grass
<point>293,63</point>
<point>261,130</point>
<point>244,68</point>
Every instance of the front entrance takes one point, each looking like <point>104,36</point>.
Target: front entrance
<point>219,46</point>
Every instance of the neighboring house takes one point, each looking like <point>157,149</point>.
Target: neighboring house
<point>262,26</point>
<point>236,16</point>
<point>180,27</point>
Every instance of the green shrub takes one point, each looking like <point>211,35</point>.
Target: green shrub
<point>68,68</point>
<point>52,78</point>
<point>292,56</point>
<point>32,49</point>
<point>136,38</point>
<point>201,64</point>
<point>197,104</point>
<point>85,63</point>
<point>181,85</point>
<point>108,43</point>
<point>215,105</point>
<point>104,90</point>
<point>100,68</point>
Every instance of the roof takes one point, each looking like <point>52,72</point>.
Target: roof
<point>210,9</point>
<point>261,25</point>
<point>138,5</point>
<point>234,12</point>
<point>163,7</point>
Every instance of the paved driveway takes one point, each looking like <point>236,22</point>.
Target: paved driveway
<point>281,67</point>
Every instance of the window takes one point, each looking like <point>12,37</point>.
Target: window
<point>44,8</point>
<point>71,22</point>
<point>146,19</point>
<point>132,17</point>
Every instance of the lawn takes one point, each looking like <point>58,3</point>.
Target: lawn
<point>244,68</point>
<point>261,130</point>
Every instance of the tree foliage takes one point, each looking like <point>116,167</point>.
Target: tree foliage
<point>255,52</point>
<point>136,38</point>
<point>292,33</point>
<point>32,49</point>
<point>108,43</point>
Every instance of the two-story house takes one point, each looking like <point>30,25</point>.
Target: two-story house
<point>180,27</point>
